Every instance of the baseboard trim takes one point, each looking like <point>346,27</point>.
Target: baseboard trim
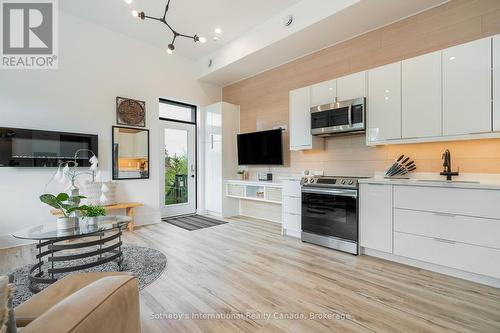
<point>486,280</point>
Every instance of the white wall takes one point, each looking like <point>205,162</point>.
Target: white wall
<point>95,66</point>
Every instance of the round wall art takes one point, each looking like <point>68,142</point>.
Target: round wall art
<point>130,112</point>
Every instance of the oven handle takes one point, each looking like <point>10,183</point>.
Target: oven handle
<point>344,193</point>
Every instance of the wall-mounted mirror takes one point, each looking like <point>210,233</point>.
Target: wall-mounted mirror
<point>130,153</point>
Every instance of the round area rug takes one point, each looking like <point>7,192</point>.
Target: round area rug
<point>145,263</point>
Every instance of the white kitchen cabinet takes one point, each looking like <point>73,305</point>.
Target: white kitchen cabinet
<point>300,121</point>
<point>467,88</point>
<point>292,206</point>
<point>375,217</point>
<point>141,144</point>
<point>421,96</point>
<point>126,145</point>
<point>221,127</point>
<point>351,86</point>
<point>323,93</point>
<point>462,256</point>
<point>496,83</point>
<point>384,103</point>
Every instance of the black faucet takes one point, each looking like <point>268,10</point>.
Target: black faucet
<point>447,166</point>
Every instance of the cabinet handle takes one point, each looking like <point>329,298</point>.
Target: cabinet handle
<point>211,141</point>
<point>444,241</point>
<point>445,214</point>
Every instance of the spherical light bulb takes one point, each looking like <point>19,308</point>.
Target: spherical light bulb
<point>169,51</point>
<point>203,40</point>
<point>135,13</point>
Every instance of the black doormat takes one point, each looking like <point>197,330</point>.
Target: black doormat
<point>193,222</point>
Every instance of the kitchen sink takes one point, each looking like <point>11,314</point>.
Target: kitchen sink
<point>447,181</point>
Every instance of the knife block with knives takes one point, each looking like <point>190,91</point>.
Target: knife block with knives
<point>401,168</point>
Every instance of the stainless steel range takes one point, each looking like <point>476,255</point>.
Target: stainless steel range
<point>330,212</point>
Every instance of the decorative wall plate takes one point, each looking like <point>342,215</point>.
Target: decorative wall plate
<point>130,112</point>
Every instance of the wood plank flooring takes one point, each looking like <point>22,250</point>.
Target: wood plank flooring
<point>246,268</point>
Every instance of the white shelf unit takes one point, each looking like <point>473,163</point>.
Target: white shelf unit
<point>256,191</point>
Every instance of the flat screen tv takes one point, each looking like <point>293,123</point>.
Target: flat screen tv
<point>35,148</point>
<point>260,148</point>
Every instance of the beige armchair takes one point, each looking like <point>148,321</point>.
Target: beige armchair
<point>84,303</point>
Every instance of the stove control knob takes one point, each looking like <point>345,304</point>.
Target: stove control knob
<point>306,180</point>
<point>343,182</point>
<point>351,182</point>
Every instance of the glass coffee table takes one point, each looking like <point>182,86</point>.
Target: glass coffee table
<point>87,246</point>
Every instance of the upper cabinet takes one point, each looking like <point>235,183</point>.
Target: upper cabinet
<point>384,103</point>
<point>496,83</point>
<point>421,96</point>
<point>300,121</point>
<point>451,94</point>
<point>467,88</point>
<point>323,93</point>
<point>351,86</point>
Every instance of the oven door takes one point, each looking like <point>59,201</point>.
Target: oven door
<point>330,212</point>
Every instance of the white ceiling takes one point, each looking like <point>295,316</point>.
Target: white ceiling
<point>357,18</point>
<point>201,17</point>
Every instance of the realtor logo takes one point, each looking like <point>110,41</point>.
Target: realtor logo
<point>29,34</point>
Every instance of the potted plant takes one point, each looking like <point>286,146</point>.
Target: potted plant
<point>92,213</point>
<point>241,174</point>
<point>66,205</point>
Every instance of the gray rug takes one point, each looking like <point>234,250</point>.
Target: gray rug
<point>145,263</point>
<point>193,222</point>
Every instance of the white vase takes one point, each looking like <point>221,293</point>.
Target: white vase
<point>92,220</point>
<point>65,223</point>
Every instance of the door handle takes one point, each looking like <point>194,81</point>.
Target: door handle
<point>444,241</point>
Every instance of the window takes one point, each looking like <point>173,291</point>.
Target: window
<point>170,110</point>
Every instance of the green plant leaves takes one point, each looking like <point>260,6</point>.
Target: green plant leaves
<point>62,197</point>
<point>63,202</point>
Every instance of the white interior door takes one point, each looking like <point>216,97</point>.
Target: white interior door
<point>178,190</point>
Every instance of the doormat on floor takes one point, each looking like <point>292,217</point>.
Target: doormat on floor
<point>193,222</point>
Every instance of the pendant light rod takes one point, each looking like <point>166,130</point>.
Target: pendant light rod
<point>163,20</point>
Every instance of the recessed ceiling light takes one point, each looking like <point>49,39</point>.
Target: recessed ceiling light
<point>218,31</point>
<point>128,2</point>
<point>452,58</point>
<point>135,13</point>
<point>203,39</point>
<point>331,89</point>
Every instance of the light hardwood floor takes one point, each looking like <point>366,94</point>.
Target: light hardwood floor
<point>246,266</point>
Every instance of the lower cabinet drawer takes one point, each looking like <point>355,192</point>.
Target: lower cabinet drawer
<point>292,205</point>
<point>464,229</point>
<point>470,258</point>
<point>292,222</point>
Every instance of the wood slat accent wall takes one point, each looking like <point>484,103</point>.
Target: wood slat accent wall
<point>264,98</point>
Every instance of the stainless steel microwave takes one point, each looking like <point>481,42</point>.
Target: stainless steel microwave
<point>339,117</point>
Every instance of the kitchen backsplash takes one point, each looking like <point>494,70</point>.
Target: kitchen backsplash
<point>349,156</point>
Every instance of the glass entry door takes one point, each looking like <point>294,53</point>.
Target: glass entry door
<point>178,169</point>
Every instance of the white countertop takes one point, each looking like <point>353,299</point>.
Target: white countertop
<point>255,182</point>
<point>433,183</point>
